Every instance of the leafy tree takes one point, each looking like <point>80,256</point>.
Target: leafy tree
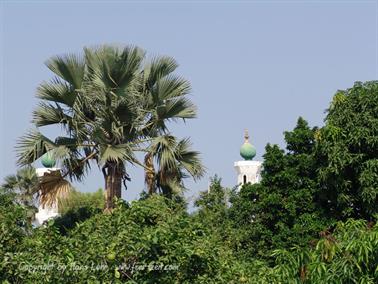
<point>213,212</point>
<point>282,210</point>
<point>14,227</point>
<point>77,199</point>
<point>213,204</point>
<point>110,103</point>
<point>77,207</point>
<point>348,149</point>
<point>349,254</point>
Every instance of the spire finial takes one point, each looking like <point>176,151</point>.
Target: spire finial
<point>246,136</point>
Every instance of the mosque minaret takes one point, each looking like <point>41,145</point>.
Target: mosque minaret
<point>46,212</point>
<point>248,171</point>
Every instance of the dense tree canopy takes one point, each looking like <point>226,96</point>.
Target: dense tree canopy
<point>348,150</point>
<point>150,241</point>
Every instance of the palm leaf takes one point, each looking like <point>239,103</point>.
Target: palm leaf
<point>158,68</point>
<point>163,149</point>
<point>112,69</point>
<point>57,91</point>
<point>52,186</point>
<point>70,68</point>
<point>47,114</point>
<point>31,146</point>
<point>171,87</point>
<point>116,153</point>
<point>179,108</point>
<point>190,160</point>
<point>128,66</point>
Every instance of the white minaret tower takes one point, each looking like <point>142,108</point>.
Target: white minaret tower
<point>46,212</point>
<point>248,171</point>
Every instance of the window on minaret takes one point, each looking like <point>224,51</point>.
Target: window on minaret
<point>244,179</point>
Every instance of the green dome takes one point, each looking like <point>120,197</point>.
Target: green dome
<point>247,151</point>
<point>48,160</point>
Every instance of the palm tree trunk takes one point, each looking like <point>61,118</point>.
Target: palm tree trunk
<point>149,177</point>
<point>113,184</point>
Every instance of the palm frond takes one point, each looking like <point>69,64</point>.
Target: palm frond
<point>158,68</point>
<point>171,185</point>
<point>112,69</point>
<point>70,142</point>
<point>179,108</point>
<point>31,146</point>
<point>163,149</point>
<point>127,67</point>
<point>24,185</point>
<point>116,153</point>
<point>189,160</point>
<point>47,114</point>
<point>10,182</point>
<point>57,91</point>
<point>75,168</point>
<point>70,68</point>
<point>176,161</point>
<point>126,112</point>
<point>52,186</point>
<point>171,87</point>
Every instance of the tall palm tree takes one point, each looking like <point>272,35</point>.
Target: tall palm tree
<point>175,161</point>
<point>105,103</point>
<point>166,101</point>
<point>94,100</point>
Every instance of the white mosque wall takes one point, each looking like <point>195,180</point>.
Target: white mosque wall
<point>248,172</point>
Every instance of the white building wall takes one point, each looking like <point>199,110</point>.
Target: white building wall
<point>248,172</point>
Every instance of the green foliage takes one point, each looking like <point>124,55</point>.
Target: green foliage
<point>214,200</point>
<point>155,241</point>
<point>213,209</point>
<point>14,226</point>
<point>281,211</point>
<point>347,255</point>
<point>77,207</point>
<point>348,149</point>
<point>23,185</point>
<point>148,241</point>
<point>77,199</point>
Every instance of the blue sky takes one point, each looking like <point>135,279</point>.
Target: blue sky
<point>252,64</point>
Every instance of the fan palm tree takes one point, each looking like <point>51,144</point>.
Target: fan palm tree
<point>23,185</point>
<point>105,103</point>
<point>166,101</point>
<point>175,161</point>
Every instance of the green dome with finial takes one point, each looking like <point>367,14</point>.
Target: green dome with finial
<point>48,160</point>
<point>247,150</point>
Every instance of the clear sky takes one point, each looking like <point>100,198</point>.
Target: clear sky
<point>252,64</point>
